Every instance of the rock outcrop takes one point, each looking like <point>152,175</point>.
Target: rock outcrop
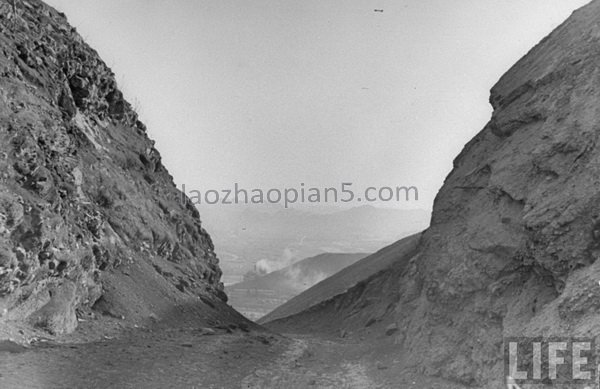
<point>515,233</point>
<point>89,216</point>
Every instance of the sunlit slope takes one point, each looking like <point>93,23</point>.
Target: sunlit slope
<point>346,278</point>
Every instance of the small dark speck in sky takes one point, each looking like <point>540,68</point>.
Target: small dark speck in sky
<point>378,10</point>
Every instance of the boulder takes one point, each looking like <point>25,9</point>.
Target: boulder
<point>391,329</point>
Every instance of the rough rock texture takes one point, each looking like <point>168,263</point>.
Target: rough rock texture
<point>89,217</point>
<point>515,230</point>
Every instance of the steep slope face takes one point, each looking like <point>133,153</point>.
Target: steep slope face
<point>515,230</point>
<point>344,280</point>
<point>88,214</point>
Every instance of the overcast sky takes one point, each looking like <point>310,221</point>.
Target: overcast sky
<point>277,93</point>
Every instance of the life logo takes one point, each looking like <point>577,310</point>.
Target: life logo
<point>550,362</point>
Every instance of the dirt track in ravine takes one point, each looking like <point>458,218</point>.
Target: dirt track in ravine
<point>194,358</point>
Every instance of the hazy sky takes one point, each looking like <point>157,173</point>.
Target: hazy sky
<point>275,93</point>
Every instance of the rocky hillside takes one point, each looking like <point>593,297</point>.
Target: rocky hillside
<point>515,230</point>
<point>91,222</point>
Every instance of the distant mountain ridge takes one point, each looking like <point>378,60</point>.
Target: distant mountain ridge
<point>260,295</point>
<point>274,237</point>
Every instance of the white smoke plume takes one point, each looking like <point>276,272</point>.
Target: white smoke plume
<point>265,266</point>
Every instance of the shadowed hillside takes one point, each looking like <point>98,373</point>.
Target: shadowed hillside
<point>514,235</point>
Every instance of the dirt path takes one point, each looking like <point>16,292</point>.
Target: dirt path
<point>184,358</point>
<point>297,367</point>
<point>194,358</point>
<point>178,358</point>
